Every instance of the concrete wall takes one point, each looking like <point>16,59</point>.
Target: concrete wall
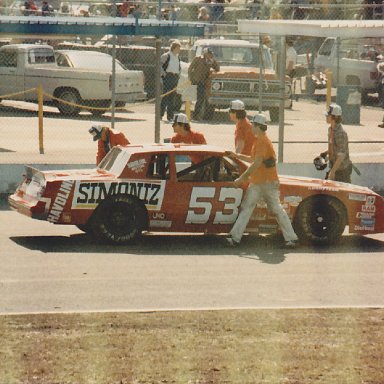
<point>372,175</point>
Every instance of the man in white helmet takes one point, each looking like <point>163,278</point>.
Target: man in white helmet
<point>340,165</point>
<point>263,184</point>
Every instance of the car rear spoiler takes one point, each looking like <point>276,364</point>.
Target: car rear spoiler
<point>31,172</point>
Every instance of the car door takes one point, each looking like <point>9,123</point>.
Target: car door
<point>11,80</point>
<point>205,199</point>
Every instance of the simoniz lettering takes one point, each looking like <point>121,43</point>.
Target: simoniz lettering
<point>60,201</point>
<point>89,194</point>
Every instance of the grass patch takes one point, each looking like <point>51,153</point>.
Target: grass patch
<point>288,346</point>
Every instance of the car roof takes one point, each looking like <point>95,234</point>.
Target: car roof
<point>72,52</point>
<point>170,147</point>
<point>225,42</point>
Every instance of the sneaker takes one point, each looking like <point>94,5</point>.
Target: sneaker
<point>291,244</point>
<point>231,242</point>
<point>381,125</point>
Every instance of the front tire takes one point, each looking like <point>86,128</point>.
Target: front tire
<point>119,220</point>
<point>320,220</point>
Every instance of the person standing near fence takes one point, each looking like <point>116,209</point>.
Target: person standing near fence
<point>243,133</point>
<point>170,74</point>
<point>263,184</point>
<point>198,73</point>
<point>106,138</point>
<point>340,165</point>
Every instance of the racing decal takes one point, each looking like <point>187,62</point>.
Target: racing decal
<point>88,195</point>
<point>60,201</point>
<point>157,219</point>
<point>323,189</point>
<point>357,197</point>
<point>201,205</point>
<point>367,215</point>
<point>160,223</point>
<point>137,166</point>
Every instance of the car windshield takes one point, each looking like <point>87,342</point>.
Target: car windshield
<point>242,56</point>
<point>115,161</point>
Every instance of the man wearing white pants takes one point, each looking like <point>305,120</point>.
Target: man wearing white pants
<point>264,184</point>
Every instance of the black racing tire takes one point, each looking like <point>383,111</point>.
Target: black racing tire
<point>120,219</point>
<point>70,96</point>
<point>320,220</point>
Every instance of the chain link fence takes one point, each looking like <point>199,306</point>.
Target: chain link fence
<point>348,71</point>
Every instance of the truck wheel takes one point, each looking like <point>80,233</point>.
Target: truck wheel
<point>69,96</point>
<point>119,220</point>
<point>274,115</point>
<point>320,220</point>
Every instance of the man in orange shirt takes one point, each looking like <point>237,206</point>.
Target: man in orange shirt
<point>263,184</point>
<point>243,132</point>
<point>107,138</point>
<point>184,133</point>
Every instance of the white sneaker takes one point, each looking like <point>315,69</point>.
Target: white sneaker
<point>291,244</point>
<point>231,242</point>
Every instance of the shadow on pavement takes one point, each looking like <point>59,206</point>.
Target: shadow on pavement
<point>266,249</point>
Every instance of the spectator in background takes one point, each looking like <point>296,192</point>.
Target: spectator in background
<point>170,74</point>
<point>30,8</point>
<point>107,138</point>
<point>46,9</point>
<point>203,15</point>
<point>291,57</point>
<point>198,73</point>
<point>243,134</point>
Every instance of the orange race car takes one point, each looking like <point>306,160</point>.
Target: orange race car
<point>187,188</point>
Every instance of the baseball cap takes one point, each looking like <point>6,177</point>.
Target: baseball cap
<point>96,131</point>
<point>237,105</point>
<point>334,110</point>
<point>180,118</point>
<point>260,119</point>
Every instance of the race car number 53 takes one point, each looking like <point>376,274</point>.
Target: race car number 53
<point>201,205</point>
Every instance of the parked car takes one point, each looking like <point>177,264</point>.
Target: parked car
<point>239,77</point>
<point>71,89</point>
<point>352,62</point>
<point>133,190</point>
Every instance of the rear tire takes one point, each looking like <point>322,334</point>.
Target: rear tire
<point>320,220</point>
<point>119,220</point>
<point>70,96</point>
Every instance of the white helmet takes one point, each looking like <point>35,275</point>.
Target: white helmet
<point>320,163</point>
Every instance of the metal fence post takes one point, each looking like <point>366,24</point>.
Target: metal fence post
<point>40,96</point>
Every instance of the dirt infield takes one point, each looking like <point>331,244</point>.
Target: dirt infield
<point>245,346</point>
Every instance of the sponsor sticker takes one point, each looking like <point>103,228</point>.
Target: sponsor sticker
<point>88,195</point>
<point>59,203</point>
<point>137,166</point>
<point>357,197</point>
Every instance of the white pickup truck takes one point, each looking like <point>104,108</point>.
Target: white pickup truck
<point>27,66</point>
<point>352,60</point>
